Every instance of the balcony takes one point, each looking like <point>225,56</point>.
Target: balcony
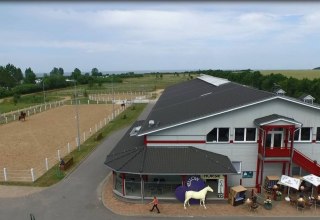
<point>275,152</point>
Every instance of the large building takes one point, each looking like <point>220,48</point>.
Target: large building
<point>226,133</point>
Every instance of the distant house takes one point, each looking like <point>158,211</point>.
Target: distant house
<point>226,133</point>
<point>38,81</point>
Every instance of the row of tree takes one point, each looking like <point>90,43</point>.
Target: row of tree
<point>14,82</point>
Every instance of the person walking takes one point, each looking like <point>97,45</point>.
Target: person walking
<point>155,203</point>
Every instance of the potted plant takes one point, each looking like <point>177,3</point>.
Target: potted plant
<point>268,203</point>
<point>278,195</point>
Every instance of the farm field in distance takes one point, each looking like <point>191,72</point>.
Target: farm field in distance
<point>299,74</point>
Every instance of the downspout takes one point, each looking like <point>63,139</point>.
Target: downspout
<point>292,141</point>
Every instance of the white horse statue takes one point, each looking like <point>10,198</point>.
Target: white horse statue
<point>197,195</point>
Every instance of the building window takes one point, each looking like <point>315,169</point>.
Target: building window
<point>212,135</point>
<point>244,134</point>
<point>303,134</point>
<point>218,135</point>
<point>318,134</point>
<point>237,166</point>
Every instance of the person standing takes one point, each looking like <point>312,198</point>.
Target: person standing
<point>155,203</point>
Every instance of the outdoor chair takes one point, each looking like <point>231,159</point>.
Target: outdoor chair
<point>301,206</point>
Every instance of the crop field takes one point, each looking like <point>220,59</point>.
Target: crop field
<point>299,74</point>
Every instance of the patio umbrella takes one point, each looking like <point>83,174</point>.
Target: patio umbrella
<point>290,182</point>
<point>313,179</point>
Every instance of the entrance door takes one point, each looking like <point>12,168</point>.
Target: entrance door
<point>274,139</point>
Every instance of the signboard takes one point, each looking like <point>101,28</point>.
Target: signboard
<point>247,174</point>
<point>211,177</point>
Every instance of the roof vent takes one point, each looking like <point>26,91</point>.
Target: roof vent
<point>151,123</point>
<point>213,80</point>
<point>307,98</point>
<point>279,91</point>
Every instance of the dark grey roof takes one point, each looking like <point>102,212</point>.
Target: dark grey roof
<point>273,117</point>
<point>196,98</point>
<point>131,156</point>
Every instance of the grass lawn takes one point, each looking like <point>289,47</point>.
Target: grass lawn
<point>299,74</point>
<point>7,105</point>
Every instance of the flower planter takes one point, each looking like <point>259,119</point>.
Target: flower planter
<point>267,206</point>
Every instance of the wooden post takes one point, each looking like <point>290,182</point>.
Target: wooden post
<point>47,165</point>
<point>32,174</point>
<point>5,174</point>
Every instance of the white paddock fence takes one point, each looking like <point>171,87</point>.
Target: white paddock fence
<point>32,174</point>
<point>119,97</point>
<point>32,110</point>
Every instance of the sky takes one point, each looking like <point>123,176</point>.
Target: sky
<point>132,36</point>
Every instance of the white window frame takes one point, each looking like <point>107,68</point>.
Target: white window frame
<point>318,128</point>
<point>245,136</point>
<point>217,136</point>
<point>304,141</point>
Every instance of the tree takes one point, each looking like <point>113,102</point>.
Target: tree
<point>76,74</point>
<point>57,71</point>
<point>29,76</point>
<point>95,72</point>
<point>16,98</point>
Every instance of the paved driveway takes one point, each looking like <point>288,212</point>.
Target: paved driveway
<point>77,197</point>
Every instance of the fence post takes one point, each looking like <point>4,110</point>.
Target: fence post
<point>40,108</point>
<point>14,117</point>
<point>84,136</point>
<point>32,174</point>
<point>59,155</point>
<point>5,174</point>
<point>68,147</point>
<point>88,101</point>
<point>97,101</point>
<point>47,165</point>
<point>90,130</point>
<point>105,121</point>
<point>96,128</point>
<point>34,111</point>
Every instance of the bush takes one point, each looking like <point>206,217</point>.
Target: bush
<point>99,137</point>
<point>124,116</point>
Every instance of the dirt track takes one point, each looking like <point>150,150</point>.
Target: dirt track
<point>25,145</point>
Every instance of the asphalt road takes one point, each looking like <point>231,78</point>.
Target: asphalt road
<point>77,197</point>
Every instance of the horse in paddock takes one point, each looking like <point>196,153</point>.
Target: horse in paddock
<point>22,116</point>
<point>123,105</point>
<point>197,195</point>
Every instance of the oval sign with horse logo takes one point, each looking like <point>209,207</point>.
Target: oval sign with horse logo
<point>194,183</point>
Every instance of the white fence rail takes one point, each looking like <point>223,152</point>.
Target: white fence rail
<point>14,115</point>
<point>32,174</point>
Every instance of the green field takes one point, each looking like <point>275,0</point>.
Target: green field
<point>299,74</point>
<point>147,83</point>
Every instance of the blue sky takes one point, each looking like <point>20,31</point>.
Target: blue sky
<point>159,36</point>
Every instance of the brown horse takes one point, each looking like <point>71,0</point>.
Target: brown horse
<point>22,116</point>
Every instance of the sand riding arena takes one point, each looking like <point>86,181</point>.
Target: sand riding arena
<point>30,147</point>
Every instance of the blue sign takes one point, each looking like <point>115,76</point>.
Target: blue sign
<point>194,183</point>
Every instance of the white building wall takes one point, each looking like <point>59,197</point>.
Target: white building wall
<point>244,152</point>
